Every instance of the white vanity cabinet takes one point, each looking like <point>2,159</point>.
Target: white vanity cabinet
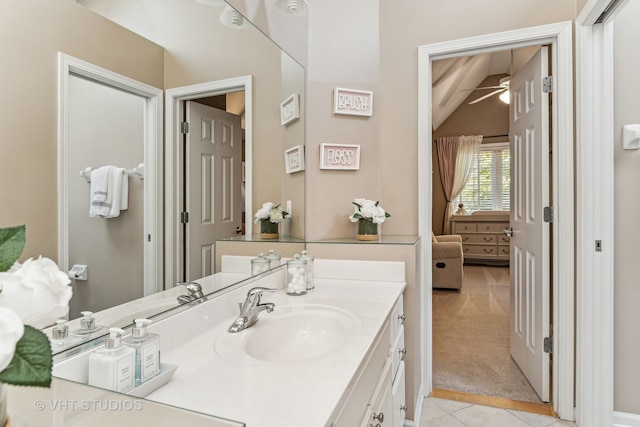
<point>377,395</point>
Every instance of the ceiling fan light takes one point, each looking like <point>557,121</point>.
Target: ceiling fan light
<point>212,3</point>
<point>291,7</point>
<point>233,19</point>
<point>505,97</point>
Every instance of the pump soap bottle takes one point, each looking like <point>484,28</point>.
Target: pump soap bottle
<point>147,348</point>
<point>112,366</point>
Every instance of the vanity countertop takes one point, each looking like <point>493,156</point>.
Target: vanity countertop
<point>264,394</point>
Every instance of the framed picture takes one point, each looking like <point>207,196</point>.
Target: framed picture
<point>339,156</point>
<point>294,159</point>
<point>352,102</point>
<point>290,109</point>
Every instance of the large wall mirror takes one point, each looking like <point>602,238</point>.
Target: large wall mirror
<point>228,79</point>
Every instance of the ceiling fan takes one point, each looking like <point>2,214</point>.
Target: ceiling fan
<point>502,89</point>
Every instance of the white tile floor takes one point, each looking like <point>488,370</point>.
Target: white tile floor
<point>450,413</point>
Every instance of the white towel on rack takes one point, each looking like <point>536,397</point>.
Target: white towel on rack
<point>100,192</point>
<point>119,189</point>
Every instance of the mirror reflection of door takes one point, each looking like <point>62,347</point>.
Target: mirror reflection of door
<point>212,185</point>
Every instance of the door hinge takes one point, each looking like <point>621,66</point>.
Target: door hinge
<point>548,214</point>
<point>184,217</point>
<point>548,345</point>
<point>547,84</point>
<point>184,127</point>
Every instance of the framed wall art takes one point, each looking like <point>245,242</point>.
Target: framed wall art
<point>294,159</point>
<point>290,109</point>
<point>339,156</point>
<point>352,102</point>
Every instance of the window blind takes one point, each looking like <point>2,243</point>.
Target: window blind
<point>488,186</point>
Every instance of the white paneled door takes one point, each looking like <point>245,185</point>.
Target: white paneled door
<point>529,138</point>
<point>213,184</point>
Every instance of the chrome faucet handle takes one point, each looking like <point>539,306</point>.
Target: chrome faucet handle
<point>254,294</point>
<point>195,289</point>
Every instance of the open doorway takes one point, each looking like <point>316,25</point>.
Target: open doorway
<point>558,36</point>
<point>471,325</point>
<point>176,101</point>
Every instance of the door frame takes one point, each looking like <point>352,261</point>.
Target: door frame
<point>153,217</point>
<point>595,201</point>
<point>559,36</point>
<point>173,99</point>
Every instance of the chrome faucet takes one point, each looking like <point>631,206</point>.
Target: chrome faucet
<point>195,293</point>
<point>250,308</point>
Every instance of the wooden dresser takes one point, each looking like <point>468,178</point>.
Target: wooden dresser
<point>482,235</point>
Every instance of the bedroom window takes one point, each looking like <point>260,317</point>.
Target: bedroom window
<point>488,187</point>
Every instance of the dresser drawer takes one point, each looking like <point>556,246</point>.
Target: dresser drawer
<point>503,250</point>
<point>491,227</point>
<point>465,227</point>
<point>480,250</point>
<point>481,239</point>
<point>504,240</point>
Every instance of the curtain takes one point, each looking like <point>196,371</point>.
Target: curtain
<point>455,156</point>
<point>447,149</point>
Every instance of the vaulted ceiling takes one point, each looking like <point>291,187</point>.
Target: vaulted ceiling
<point>454,79</point>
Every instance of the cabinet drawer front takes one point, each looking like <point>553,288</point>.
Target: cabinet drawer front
<point>481,239</point>
<point>492,227</point>
<point>398,351</point>
<point>503,250</point>
<point>399,398</point>
<point>464,227</point>
<point>397,320</point>
<point>480,250</point>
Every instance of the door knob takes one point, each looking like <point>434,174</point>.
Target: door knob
<point>508,232</point>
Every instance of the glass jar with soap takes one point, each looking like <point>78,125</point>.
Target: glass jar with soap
<point>295,277</point>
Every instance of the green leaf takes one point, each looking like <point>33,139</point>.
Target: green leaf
<point>11,245</point>
<point>32,361</point>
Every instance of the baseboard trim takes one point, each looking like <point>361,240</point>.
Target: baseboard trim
<point>623,419</point>
<point>498,402</point>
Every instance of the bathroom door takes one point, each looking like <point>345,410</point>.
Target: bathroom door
<point>529,139</point>
<point>213,184</point>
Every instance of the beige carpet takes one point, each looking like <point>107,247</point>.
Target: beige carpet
<point>471,337</point>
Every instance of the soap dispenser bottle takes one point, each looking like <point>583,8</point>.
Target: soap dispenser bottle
<point>112,366</point>
<point>60,337</point>
<point>147,351</point>
<point>87,324</point>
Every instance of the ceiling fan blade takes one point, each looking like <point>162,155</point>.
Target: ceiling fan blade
<point>488,95</point>
<point>481,88</point>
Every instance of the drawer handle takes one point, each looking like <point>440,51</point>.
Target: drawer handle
<point>487,239</point>
<point>402,352</point>
<point>379,417</point>
<point>465,249</point>
<point>488,251</point>
<point>464,239</point>
<point>377,425</point>
<point>401,318</point>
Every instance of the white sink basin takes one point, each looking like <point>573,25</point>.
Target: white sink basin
<point>291,334</point>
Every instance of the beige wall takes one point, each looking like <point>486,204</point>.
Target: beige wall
<point>32,33</point>
<point>627,205</point>
<point>488,117</point>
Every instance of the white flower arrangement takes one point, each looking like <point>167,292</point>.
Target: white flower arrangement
<point>368,210</point>
<point>33,295</point>
<point>274,213</point>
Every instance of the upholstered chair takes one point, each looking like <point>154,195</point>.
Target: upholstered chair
<point>447,261</point>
